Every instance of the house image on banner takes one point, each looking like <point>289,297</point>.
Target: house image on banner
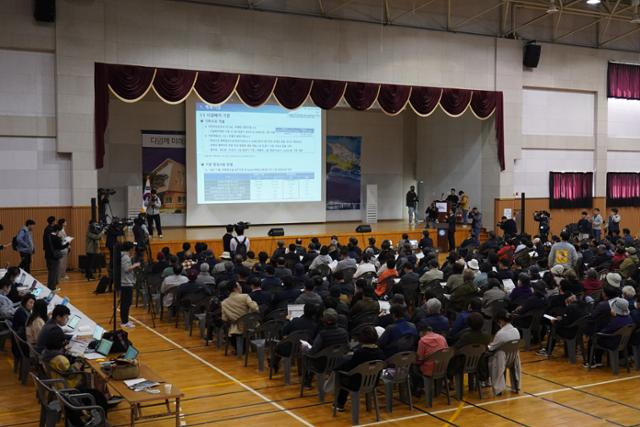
<point>169,180</point>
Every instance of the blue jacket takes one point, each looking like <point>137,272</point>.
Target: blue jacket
<point>25,241</point>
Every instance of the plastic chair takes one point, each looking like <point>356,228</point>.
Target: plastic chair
<point>624,335</point>
<point>472,354</point>
<point>50,409</point>
<point>441,359</point>
<point>5,331</point>
<point>369,373</point>
<point>401,363</point>
<point>268,333</point>
<point>533,326</point>
<point>363,318</point>
<point>72,402</point>
<point>333,355</point>
<point>511,350</point>
<point>248,325</point>
<point>277,314</point>
<point>634,342</point>
<point>23,360</point>
<point>294,340</point>
<point>572,343</point>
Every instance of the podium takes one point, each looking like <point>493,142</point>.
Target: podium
<point>442,229</point>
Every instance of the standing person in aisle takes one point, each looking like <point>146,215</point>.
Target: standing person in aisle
<point>25,245</point>
<point>94,234</point>
<point>451,232</point>
<point>412,204</point>
<point>613,224</point>
<point>53,246</point>
<point>153,204</point>
<point>64,260</point>
<point>597,222</point>
<point>127,282</point>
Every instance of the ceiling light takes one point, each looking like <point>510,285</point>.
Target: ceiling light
<point>552,7</point>
<point>593,1</point>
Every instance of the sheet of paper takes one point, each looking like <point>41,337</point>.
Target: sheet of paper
<point>131,383</point>
<point>68,239</point>
<point>93,356</point>
<point>508,285</point>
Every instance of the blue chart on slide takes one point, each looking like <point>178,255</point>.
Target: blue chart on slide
<point>258,155</point>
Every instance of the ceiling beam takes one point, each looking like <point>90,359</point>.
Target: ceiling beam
<point>413,10</point>
<point>321,6</point>
<point>588,25</point>
<point>619,37</point>
<point>613,10</point>
<point>340,6</point>
<point>478,15</point>
<point>386,19</point>
<point>449,6</point>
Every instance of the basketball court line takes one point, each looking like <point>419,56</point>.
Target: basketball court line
<point>226,375</point>
<point>493,402</point>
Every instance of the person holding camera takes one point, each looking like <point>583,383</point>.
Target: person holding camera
<point>94,234</point>
<point>127,282</point>
<point>153,205</point>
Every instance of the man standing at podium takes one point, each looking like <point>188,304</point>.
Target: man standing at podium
<point>412,204</point>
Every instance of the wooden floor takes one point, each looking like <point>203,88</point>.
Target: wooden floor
<point>219,390</point>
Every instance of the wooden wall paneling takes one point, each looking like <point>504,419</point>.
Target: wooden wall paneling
<point>13,218</point>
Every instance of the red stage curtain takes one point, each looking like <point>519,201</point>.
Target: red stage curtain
<point>425,99</point>
<point>483,103</point>
<point>130,82</point>
<point>254,90</point>
<point>499,122</point>
<point>570,190</point>
<point>327,93</point>
<point>455,101</point>
<point>291,92</point>
<point>215,88</point>
<point>623,81</point>
<point>393,98</point>
<point>172,85</point>
<point>623,189</point>
<point>360,96</point>
<point>100,110</point>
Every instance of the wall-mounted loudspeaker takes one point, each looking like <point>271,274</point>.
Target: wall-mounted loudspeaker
<point>276,232</point>
<point>531,55</point>
<point>44,10</point>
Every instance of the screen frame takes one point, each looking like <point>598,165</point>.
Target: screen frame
<point>254,213</point>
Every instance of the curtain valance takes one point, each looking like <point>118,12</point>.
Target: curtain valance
<point>131,83</point>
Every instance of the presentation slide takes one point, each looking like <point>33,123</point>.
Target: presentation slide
<point>258,155</point>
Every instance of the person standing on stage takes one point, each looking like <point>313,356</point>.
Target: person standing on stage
<point>153,204</point>
<point>25,246</point>
<point>464,205</point>
<point>452,199</point>
<point>451,232</point>
<point>412,204</point>
<point>613,224</point>
<point>597,222</point>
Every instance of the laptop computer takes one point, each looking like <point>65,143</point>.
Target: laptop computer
<point>73,322</point>
<point>98,332</point>
<point>130,354</point>
<point>104,348</point>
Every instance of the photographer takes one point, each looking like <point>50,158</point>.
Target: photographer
<point>127,282</point>
<point>153,205</point>
<point>103,203</point>
<point>94,234</point>
<point>543,217</point>
<point>509,227</point>
<point>140,235</point>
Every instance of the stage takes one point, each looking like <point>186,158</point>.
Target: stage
<point>259,241</point>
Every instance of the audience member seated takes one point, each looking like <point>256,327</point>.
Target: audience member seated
<point>463,294</point>
<point>618,258</point>
<point>482,278</point>
<point>192,287</point>
<point>522,292</point>
<point>234,307</point>
<point>497,360</point>
<point>185,253</point>
<point>250,260</point>
<point>308,323</point>
<point>168,270</point>
<point>10,278</point>
<point>366,352</point>
<point>281,269</point>
<point>36,321</point>
<point>59,318</point>
<point>591,284</point>
<point>299,276</point>
<point>429,343</point>
<point>455,280</point>
<point>170,282</point>
<point>329,334</point>
<point>432,317</point>
<point>433,273</point>
<point>474,306</point>
<point>261,297</point>
<point>366,266</point>
<point>270,282</point>
<point>309,296</point>
<point>346,262</point>
<point>385,279</point>
<point>287,295</point>
<point>494,292</point>
<point>409,281</point>
<point>400,327</point>
<point>368,303</point>
<point>472,334</point>
<point>574,309</point>
<point>629,267</point>
<point>322,259</point>
<point>619,317</point>
<point>7,310</point>
<point>23,311</point>
<point>204,277</point>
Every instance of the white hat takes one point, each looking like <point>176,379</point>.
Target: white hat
<point>225,255</point>
<point>557,270</point>
<point>473,265</point>
<point>620,306</point>
<point>614,279</point>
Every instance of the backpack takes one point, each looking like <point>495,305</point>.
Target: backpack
<point>241,247</point>
<point>120,340</point>
<point>103,284</point>
<point>14,243</point>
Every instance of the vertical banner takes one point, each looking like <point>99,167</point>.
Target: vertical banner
<point>164,165</point>
<point>343,172</point>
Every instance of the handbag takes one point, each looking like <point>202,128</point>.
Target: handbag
<point>125,369</point>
